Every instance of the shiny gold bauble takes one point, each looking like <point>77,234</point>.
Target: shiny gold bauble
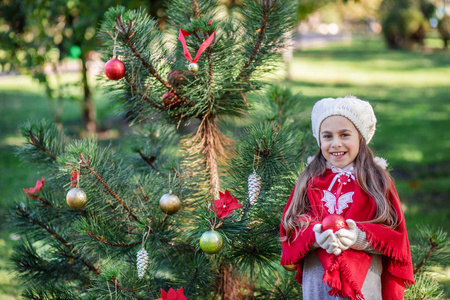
<point>170,203</point>
<point>292,268</point>
<point>193,67</point>
<point>211,242</point>
<point>76,198</point>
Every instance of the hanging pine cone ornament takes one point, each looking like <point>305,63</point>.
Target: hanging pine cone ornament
<point>142,262</point>
<point>254,187</point>
<point>76,198</point>
<point>170,203</point>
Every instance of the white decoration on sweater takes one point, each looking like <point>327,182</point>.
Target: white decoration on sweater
<point>342,203</point>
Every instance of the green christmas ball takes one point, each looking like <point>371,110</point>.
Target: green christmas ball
<point>76,198</point>
<point>170,203</point>
<point>211,242</point>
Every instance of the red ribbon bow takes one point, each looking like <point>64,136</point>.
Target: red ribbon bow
<point>183,34</point>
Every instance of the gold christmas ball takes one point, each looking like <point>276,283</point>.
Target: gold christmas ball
<point>76,198</point>
<point>211,242</point>
<point>292,268</point>
<point>193,67</point>
<point>170,203</point>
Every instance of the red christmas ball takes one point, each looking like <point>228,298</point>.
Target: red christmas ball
<point>170,100</point>
<point>114,69</point>
<point>333,222</point>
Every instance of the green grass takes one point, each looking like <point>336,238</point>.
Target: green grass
<point>409,91</point>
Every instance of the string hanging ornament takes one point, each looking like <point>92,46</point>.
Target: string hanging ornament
<point>76,198</point>
<point>114,68</point>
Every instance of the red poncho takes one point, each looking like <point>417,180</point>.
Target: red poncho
<point>345,273</point>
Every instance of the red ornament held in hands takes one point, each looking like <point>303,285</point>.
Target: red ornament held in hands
<point>334,222</point>
<point>114,69</point>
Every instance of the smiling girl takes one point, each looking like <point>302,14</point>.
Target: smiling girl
<point>370,259</point>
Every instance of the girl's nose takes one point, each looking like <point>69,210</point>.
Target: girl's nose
<point>336,143</point>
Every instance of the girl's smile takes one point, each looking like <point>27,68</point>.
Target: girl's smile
<point>339,141</point>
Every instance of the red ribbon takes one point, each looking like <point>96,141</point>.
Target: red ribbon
<point>202,48</point>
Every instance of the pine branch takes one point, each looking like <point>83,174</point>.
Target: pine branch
<point>433,246</point>
<point>21,212</point>
<point>143,192</point>
<point>256,48</point>
<point>120,287</point>
<point>211,80</point>
<point>258,43</point>
<point>43,201</point>
<point>148,160</point>
<point>85,164</point>
<point>196,10</point>
<point>147,99</point>
<point>102,239</point>
<point>126,32</point>
<point>35,142</point>
<point>281,293</point>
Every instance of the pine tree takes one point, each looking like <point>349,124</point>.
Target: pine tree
<point>197,139</point>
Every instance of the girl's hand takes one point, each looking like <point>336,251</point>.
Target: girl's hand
<point>327,240</point>
<point>347,237</point>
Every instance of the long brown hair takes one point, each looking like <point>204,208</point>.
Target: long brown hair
<point>372,178</point>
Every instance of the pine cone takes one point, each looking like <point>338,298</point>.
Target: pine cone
<point>142,263</point>
<point>254,187</point>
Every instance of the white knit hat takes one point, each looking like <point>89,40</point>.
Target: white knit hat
<point>359,112</point>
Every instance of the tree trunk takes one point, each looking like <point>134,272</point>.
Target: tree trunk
<point>231,287</point>
<point>88,109</point>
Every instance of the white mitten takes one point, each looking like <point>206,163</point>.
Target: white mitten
<point>347,237</point>
<point>327,240</point>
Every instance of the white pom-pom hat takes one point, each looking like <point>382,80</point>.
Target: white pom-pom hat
<point>359,112</point>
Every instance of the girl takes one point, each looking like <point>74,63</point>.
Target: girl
<point>371,258</point>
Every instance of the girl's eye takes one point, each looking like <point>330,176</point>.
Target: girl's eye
<point>345,135</point>
<point>327,136</point>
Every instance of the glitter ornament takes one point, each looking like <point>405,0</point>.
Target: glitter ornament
<point>211,242</point>
<point>114,69</point>
<point>334,222</point>
<point>254,187</point>
<point>76,198</point>
<point>170,203</point>
<point>142,262</point>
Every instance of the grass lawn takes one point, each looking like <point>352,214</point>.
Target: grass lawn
<point>409,91</point>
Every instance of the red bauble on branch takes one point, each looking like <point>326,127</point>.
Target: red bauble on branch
<point>334,222</point>
<point>170,100</point>
<point>114,69</point>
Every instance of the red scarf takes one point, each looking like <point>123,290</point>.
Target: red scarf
<point>345,273</point>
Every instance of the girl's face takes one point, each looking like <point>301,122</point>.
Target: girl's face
<point>339,141</point>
